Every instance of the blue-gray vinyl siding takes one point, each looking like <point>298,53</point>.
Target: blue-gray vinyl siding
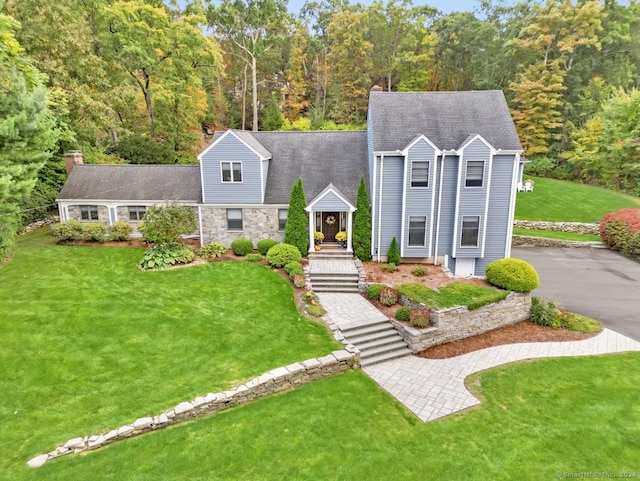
<point>472,200</point>
<point>498,218</point>
<point>449,170</point>
<point>418,200</point>
<point>330,202</point>
<point>231,149</point>
<point>388,218</point>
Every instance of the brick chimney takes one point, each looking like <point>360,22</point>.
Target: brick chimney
<point>377,88</point>
<point>71,159</point>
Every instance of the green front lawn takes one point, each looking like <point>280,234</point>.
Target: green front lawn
<point>560,201</point>
<point>539,418</point>
<point>89,342</point>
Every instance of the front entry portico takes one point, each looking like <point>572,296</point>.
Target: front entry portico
<point>330,212</point>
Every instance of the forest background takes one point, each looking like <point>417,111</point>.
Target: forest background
<point>149,81</point>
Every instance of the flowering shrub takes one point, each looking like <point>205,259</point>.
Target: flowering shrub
<point>420,316</point>
<point>388,296</point>
<point>620,230</point>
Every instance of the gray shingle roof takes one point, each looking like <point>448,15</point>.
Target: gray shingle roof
<point>133,182</point>
<point>446,118</point>
<point>251,141</point>
<point>319,158</point>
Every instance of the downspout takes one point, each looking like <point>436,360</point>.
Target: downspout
<point>435,252</point>
<point>380,206</point>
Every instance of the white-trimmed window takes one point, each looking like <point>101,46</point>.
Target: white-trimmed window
<point>136,212</point>
<point>234,219</point>
<point>475,173</point>
<point>231,171</point>
<point>282,218</point>
<point>89,212</point>
<point>419,174</point>
<point>417,231</point>
<point>470,231</point>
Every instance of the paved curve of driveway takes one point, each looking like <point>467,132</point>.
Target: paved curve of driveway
<point>434,388</point>
<point>598,283</point>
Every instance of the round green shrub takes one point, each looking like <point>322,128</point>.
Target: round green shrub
<point>120,231</point>
<point>94,231</point>
<point>242,247</point>
<point>373,291</point>
<point>264,245</point>
<point>69,230</point>
<point>402,313</point>
<point>281,254</point>
<point>513,274</point>
<point>254,257</point>
<point>388,296</point>
<point>212,250</point>
<point>296,272</point>
<point>292,266</point>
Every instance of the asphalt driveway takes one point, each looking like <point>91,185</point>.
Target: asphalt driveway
<point>597,283</point>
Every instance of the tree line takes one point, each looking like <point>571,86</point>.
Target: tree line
<point>148,80</point>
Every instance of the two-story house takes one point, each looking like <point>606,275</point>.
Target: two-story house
<point>441,167</point>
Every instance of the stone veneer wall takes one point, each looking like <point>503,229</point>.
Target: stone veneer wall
<point>258,223</point>
<point>459,322</point>
<point>276,380</point>
<point>103,213</point>
<point>579,227</point>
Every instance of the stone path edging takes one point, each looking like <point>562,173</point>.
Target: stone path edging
<point>276,380</point>
<point>434,388</point>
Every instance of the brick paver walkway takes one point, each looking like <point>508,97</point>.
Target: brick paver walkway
<point>434,388</point>
<point>343,309</point>
<point>346,266</point>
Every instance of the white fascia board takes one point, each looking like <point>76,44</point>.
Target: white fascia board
<point>219,139</point>
<point>424,138</point>
<point>473,139</point>
<point>336,192</point>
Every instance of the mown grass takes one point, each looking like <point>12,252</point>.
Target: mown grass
<point>537,419</point>
<point>454,294</point>
<point>560,201</point>
<point>89,342</point>
<point>549,234</point>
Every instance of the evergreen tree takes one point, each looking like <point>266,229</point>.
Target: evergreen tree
<point>26,131</point>
<point>296,232</point>
<point>393,253</point>
<point>272,118</point>
<point>362,224</point>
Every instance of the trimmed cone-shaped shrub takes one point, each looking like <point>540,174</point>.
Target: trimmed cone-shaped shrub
<point>281,254</point>
<point>264,245</point>
<point>513,274</point>
<point>393,254</point>
<point>296,232</point>
<point>362,224</point>
<point>242,247</point>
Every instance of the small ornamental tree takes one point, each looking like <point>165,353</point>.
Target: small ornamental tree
<point>163,225</point>
<point>296,232</point>
<point>393,254</point>
<point>620,230</point>
<point>362,224</point>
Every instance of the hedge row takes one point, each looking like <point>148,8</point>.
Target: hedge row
<point>620,230</point>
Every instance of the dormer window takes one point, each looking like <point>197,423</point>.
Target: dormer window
<point>231,171</point>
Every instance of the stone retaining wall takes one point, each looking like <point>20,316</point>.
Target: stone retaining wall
<point>277,380</point>
<point>579,227</point>
<point>459,322</point>
<point>531,241</point>
<point>50,220</point>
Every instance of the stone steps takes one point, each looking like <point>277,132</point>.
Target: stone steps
<point>377,341</point>
<point>334,282</point>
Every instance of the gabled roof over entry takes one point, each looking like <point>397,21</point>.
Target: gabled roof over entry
<point>333,195</point>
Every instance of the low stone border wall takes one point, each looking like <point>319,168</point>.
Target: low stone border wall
<point>579,227</point>
<point>276,380</point>
<point>532,241</point>
<point>459,322</point>
<point>54,219</point>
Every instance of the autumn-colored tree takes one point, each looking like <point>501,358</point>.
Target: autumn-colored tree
<point>296,94</point>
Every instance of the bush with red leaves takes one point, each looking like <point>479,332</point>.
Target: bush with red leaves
<point>620,230</point>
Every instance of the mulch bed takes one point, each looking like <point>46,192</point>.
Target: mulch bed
<point>525,331</point>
